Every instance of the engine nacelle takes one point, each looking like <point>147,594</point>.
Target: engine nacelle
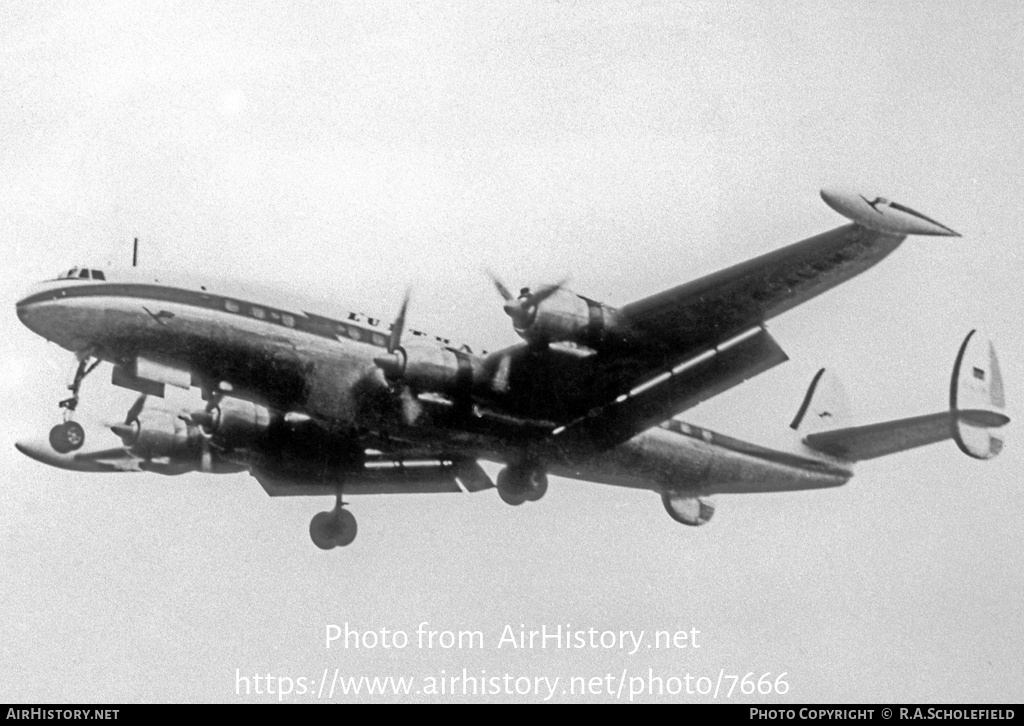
<point>431,368</point>
<point>236,423</point>
<point>566,316</point>
<point>156,433</point>
<point>231,424</point>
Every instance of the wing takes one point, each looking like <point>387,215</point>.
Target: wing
<point>701,338</point>
<point>714,308</point>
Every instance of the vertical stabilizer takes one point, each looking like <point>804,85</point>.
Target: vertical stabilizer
<point>976,386</point>
<point>825,405</point>
<point>974,419</point>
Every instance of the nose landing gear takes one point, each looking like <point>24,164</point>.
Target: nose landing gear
<point>336,528</point>
<point>69,435</point>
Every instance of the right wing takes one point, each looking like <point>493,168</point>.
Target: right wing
<point>714,308</point>
<point>701,338</point>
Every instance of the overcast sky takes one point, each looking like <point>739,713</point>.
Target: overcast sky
<point>348,150</point>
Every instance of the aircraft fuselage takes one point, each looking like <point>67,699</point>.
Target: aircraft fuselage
<point>281,355</point>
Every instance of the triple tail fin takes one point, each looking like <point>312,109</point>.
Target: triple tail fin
<point>975,415</point>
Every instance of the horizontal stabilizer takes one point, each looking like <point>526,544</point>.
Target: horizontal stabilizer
<point>869,442</point>
<point>973,419</point>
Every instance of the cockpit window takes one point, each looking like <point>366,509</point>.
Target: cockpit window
<point>82,273</point>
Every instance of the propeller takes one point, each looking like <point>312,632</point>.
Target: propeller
<point>133,412</point>
<point>128,431</point>
<point>393,364</point>
<point>204,421</point>
<point>205,455</point>
<point>523,309</point>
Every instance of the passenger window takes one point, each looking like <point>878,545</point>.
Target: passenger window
<point>231,306</point>
<point>288,320</point>
<point>258,313</point>
<point>355,333</point>
<point>378,339</point>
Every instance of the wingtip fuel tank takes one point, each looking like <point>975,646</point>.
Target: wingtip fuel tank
<point>883,215</point>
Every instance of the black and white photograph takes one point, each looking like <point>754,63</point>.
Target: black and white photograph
<point>544,351</point>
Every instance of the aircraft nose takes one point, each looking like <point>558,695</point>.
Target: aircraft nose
<point>25,303</point>
<point>36,311</point>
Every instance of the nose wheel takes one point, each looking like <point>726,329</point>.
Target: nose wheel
<point>336,528</point>
<point>69,435</point>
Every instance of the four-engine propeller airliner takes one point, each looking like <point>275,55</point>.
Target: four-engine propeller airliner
<point>312,404</point>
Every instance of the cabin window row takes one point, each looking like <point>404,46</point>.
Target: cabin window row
<point>274,316</point>
<point>260,313</point>
<point>341,330</point>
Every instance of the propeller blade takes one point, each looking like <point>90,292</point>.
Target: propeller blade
<point>393,364</point>
<point>135,410</point>
<point>500,286</point>
<point>206,458</point>
<point>547,291</point>
<point>398,327</point>
<point>411,407</point>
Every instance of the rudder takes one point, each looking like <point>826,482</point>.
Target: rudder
<point>976,388</point>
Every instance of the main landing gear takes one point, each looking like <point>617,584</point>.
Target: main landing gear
<point>518,483</point>
<point>336,528</point>
<point>69,435</point>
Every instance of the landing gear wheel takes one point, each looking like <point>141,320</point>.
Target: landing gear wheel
<point>506,493</point>
<point>66,437</point>
<point>347,522</point>
<point>333,529</point>
<point>538,486</point>
<point>521,484</point>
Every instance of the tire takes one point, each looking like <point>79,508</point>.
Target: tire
<point>59,439</point>
<point>349,529</point>
<point>322,530</point>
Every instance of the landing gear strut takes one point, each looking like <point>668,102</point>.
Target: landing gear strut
<point>69,435</point>
<point>336,528</point>
<point>518,483</point>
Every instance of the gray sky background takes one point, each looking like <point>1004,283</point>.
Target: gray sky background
<point>348,150</point>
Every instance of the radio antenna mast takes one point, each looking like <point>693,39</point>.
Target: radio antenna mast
<point>135,253</point>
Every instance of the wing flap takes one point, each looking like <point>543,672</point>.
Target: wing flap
<point>384,474</point>
<point>694,380</point>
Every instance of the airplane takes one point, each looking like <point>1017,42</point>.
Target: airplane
<point>346,404</point>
